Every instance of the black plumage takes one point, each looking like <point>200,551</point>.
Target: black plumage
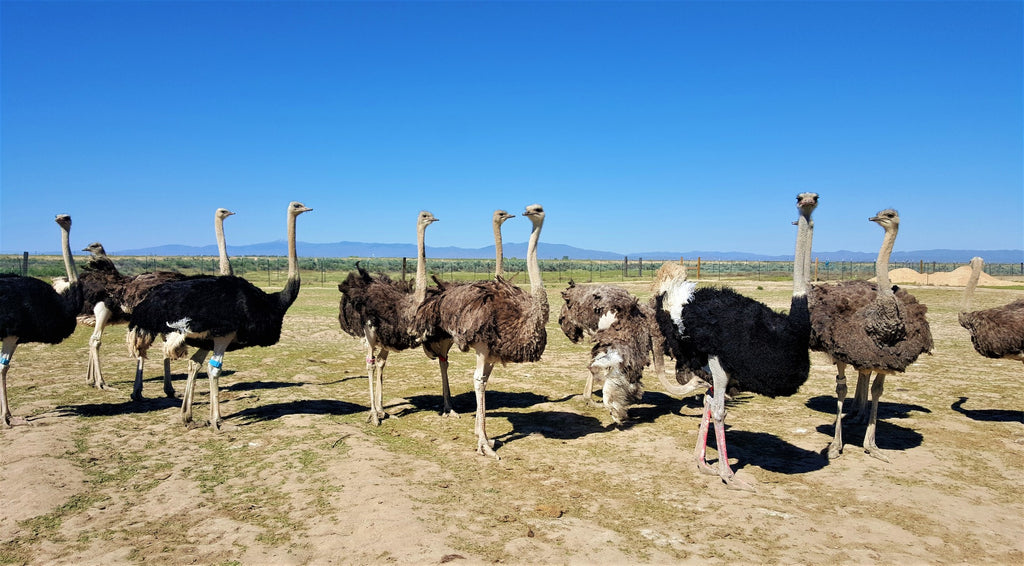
<point>32,311</point>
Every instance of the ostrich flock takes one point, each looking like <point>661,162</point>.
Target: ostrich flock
<point>720,340</point>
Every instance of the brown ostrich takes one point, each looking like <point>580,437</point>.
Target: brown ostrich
<point>874,327</point>
<point>33,311</point>
<point>110,298</point>
<point>584,307</point>
<point>622,348</point>
<point>996,332</point>
<point>501,322</point>
<point>381,312</point>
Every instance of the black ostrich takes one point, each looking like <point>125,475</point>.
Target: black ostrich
<point>874,327</point>
<point>32,311</point>
<point>748,346</point>
<point>111,296</point>
<point>218,314</point>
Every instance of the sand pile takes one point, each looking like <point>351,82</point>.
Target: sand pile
<point>956,278</point>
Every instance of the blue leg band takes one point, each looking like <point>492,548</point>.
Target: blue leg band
<point>216,363</point>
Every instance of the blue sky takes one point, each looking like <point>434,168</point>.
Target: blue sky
<point>640,126</point>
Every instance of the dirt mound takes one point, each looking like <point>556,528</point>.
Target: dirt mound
<point>956,278</point>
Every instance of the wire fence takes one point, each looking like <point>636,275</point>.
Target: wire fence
<point>272,269</point>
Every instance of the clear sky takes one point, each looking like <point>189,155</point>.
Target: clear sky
<point>640,126</point>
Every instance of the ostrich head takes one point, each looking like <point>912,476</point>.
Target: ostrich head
<point>501,216</point>
<point>96,249</point>
<point>887,218</point>
<point>294,209</point>
<point>535,213</point>
<point>64,221</point>
<point>425,219</point>
<point>807,202</point>
<point>223,213</point>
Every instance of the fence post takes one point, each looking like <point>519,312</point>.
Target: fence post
<point>625,267</point>
<point>24,264</point>
<point>403,269</point>
<point>698,268</point>
<point>640,268</point>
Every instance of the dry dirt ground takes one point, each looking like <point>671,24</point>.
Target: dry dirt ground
<point>299,477</point>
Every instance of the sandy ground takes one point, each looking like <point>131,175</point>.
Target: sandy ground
<point>299,477</point>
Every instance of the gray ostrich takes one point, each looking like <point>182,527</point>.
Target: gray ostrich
<point>874,327</point>
<point>110,298</point>
<point>32,311</point>
<point>217,314</point>
<point>997,332</point>
<point>501,322</point>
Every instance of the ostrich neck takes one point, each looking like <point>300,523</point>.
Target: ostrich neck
<point>291,287</point>
<point>802,256</point>
<point>421,265</point>
<point>222,247</point>
<point>498,253</point>
<point>972,284</point>
<point>533,268</point>
<point>69,263</point>
<point>882,263</point>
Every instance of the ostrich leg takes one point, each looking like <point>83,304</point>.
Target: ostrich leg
<point>835,449</point>
<point>721,380</point>
<point>869,436</point>
<point>859,413</point>
<point>484,445</point>
<point>195,363</point>
<point>220,345</point>
<point>6,420</point>
<point>93,375</point>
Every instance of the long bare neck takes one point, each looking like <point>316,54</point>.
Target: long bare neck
<point>802,256</point>
<point>533,268</point>
<point>972,284</point>
<point>498,253</point>
<point>222,246</point>
<point>421,265</point>
<point>291,287</point>
<point>69,262</point>
<point>882,263</point>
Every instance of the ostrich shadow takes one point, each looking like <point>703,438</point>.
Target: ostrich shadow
<point>465,403</point>
<point>827,404</point>
<point>768,452</point>
<point>888,436</point>
<point>989,415</point>
<point>146,405</point>
<point>273,411</point>
<point>558,425</point>
<point>254,385</point>
<point>655,404</point>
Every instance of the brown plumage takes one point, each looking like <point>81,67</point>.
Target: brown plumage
<point>382,312</point>
<point>997,332</point>
<point>873,327</point>
<point>500,321</point>
<point>580,316</point>
<point>622,348</point>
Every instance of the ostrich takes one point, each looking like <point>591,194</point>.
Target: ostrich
<point>381,311</point>
<point>110,298</point>
<point>873,327</point>
<point>584,308</point>
<point>997,332</point>
<point>745,344</point>
<point>500,321</point>
<point>500,216</point>
<point>217,314</point>
<point>622,348</point>
<point>32,311</point>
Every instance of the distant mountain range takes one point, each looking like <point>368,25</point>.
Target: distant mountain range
<point>555,251</point>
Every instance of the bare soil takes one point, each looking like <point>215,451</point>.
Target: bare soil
<point>299,477</point>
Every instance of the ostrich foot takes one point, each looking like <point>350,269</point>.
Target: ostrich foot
<point>137,397</point>
<point>169,392</point>
<point>449,413</point>
<point>874,452</point>
<point>12,421</point>
<point>834,451</point>
<point>734,483</point>
<point>705,469</point>
<point>377,417</point>
<point>485,447</point>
